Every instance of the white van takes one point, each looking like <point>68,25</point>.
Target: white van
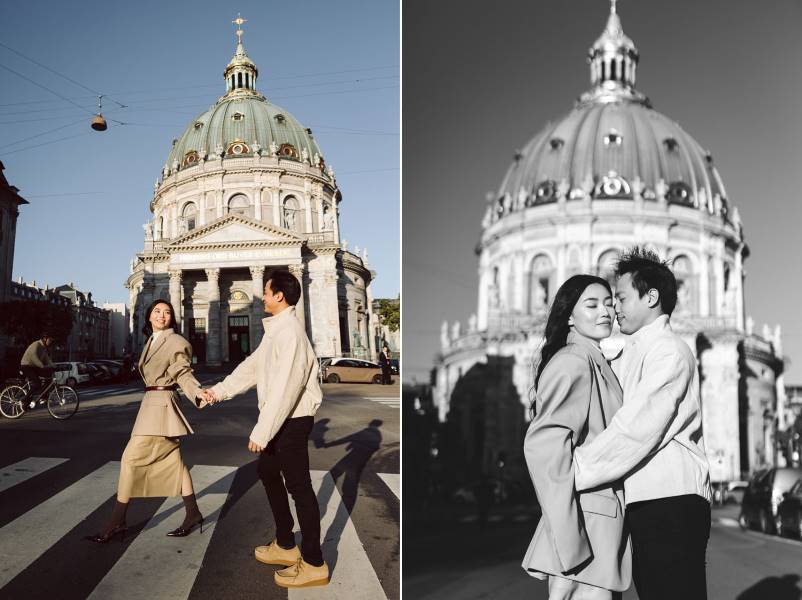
<point>71,373</point>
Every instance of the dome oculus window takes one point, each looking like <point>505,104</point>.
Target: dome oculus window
<point>546,192</point>
<point>280,118</point>
<point>237,147</point>
<point>190,158</point>
<point>237,116</point>
<point>287,151</point>
<point>611,186</point>
<point>679,192</point>
<point>671,144</point>
<point>198,125</point>
<point>556,143</point>
<point>613,138</point>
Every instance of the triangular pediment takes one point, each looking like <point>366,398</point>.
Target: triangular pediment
<point>236,230</point>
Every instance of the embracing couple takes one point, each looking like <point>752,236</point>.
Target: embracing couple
<point>618,462</point>
<point>284,370</point>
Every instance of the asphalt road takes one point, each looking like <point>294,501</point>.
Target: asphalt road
<point>58,479</point>
<point>742,565</point>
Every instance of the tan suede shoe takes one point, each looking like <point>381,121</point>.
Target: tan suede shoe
<point>273,554</point>
<point>302,574</point>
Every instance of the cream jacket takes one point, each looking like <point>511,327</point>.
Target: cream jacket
<point>284,370</point>
<point>581,536</point>
<point>165,361</point>
<point>655,440</point>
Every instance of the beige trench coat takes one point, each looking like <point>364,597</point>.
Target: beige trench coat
<point>167,362</point>
<point>581,536</point>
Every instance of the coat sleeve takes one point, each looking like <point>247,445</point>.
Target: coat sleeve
<point>288,378</point>
<point>180,369</point>
<point>647,421</point>
<point>563,398</point>
<point>241,379</point>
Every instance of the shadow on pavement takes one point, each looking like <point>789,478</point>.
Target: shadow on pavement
<point>777,588</point>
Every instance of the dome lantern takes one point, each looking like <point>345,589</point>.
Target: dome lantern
<point>613,58</point>
<point>241,72</point>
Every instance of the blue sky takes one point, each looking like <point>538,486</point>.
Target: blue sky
<point>333,65</point>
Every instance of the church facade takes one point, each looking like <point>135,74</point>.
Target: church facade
<point>611,174</point>
<point>244,189</point>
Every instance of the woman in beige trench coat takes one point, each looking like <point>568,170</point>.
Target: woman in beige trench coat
<point>580,544</point>
<point>151,463</point>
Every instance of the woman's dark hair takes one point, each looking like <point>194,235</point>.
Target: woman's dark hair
<point>147,328</point>
<point>557,325</point>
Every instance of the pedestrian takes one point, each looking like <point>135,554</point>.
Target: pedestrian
<point>580,546</point>
<point>151,464</point>
<point>655,441</point>
<point>384,363</point>
<point>284,370</point>
<point>36,363</point>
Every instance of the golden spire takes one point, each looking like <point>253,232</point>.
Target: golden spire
<point>238,22</point>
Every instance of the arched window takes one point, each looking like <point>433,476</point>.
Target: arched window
<point>160,233</point>
<point>188,216</point>
<point>686,284</point>
<point>605,267</point>
<point>290,214</point>
<point>540,283</point>
<point>239,205</point>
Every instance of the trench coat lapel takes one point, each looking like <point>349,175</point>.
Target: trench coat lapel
<point>156,346</point>
<point>142,356</point>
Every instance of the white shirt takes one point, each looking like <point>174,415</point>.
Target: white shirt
<point>655,439</point>
<point>284,370</point>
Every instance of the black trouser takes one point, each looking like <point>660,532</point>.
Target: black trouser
<point>287,455</point>
<point>669,542</point>
<point>387,375</point>
<point>33,374</point>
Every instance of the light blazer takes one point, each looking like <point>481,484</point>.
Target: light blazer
<point>166,362</point>
<point>580,536</point>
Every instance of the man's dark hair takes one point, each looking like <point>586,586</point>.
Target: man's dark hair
<point>649,272</point>
<point>281,280</point>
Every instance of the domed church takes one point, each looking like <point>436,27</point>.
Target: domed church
<point>246,188</point>
<point>610,174</point>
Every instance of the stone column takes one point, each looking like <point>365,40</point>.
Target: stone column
<point>373,321</point>
<point>175,295</point>
<point>257,307</point>
<point>213,341</point>
<point>219,204</point>
<point>277,208</point>
<point>308,213</point>
<point>257,203</point>
<point>298,270</point>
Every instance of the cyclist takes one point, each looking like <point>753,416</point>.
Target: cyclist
<point>36,363</point>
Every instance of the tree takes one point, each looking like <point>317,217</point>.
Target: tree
<point>25,320</point>
<point>390,313</point>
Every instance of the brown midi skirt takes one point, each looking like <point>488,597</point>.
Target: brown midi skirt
<point>151,466</point>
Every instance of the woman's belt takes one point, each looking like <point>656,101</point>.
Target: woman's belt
<point>161,388</point>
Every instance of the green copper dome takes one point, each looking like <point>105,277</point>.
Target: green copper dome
<point>243,123</point>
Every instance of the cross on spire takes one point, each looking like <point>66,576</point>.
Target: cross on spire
<point>238,22</point>
<point>612,6</point>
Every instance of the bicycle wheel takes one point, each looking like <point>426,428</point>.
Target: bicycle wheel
<point>62,402</point>
<point>11,399</point>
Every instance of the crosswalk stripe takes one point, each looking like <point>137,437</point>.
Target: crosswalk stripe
<point>25,539</point>
<point>353,576</point>
<point>25,469</point>
<point>171,564</point>
<point>393,481</point>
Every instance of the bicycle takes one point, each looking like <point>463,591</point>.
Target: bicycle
<point>62,401</point>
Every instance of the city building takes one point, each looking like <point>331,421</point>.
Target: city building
<point>245,188</point>
<point>118,329</point>
<point>10,201</point>
<point>611,174</point>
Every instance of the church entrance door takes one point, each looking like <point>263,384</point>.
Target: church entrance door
<point>197,337</point>
<point>239,343</point>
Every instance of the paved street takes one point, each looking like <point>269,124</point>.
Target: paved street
<point>58,480</point>
<point>478,564</point>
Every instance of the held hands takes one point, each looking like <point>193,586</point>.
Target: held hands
<point>254,447</point>
<point>207,396</point>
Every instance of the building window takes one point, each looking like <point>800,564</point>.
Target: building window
<point>613,138</point>
<point>237,147</point>
<point>280,118</point>
<point>198,125</point>
<point>290,214</point>
<point>188,216</point>
<point>546,192</point>
<point>540,284</point>
<point>237,116</point>
<point>239,205</point>
<point>190,158</point>
<point>679,192</point>
<point>287,151</point>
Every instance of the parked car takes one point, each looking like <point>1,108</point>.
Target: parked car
<point>789,511</point>
<point>99,373</point>
<point>394,366</point>
<point>352,370</point>
<point>762,498</point>
<point>115,367</point>
<point>71,373</point>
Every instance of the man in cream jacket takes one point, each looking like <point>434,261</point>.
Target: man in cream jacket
<point>284,370</point>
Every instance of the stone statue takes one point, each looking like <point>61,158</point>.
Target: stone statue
<point>777,340</point>
<point>766,332</point>
<point>156,185</point>
<point>257,149</point>
<point>701,198</point>
<point>750,326</point>
<point>218,150</point>
<point>637,187</point>
<point>273,148</point>
<point>472,323</point>
<point>717,204</point>
<point>660,190</point>
<point>522,197</point>
<point>345,245</point>
<point>587,185</point>
<point>445,342</point>
<point>365,255</point>
<point>305,155</point>
<point>316,160</point>
<point>456,331</point>
<point>493,295</point>
<point>148,227</point>
<point>289,218</point>
<point>538,295</point>
<point>488,218</point>
<point>328,217</point>
<point>330,171</point>
<point>563,189</point>
<point>356,250</point>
